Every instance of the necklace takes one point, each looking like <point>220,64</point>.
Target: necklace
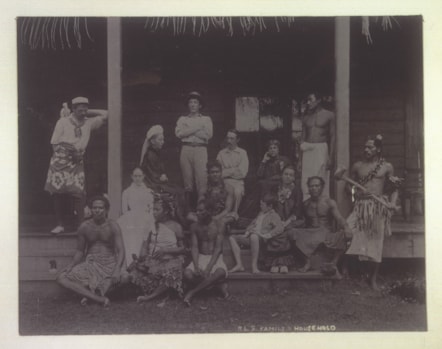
<point>364,180</point>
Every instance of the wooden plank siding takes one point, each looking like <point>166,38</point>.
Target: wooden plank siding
<point>379,115</point>
<point>140,114</point>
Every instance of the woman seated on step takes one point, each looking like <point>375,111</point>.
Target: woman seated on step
<point>266,237</point>
<point>160,264</point>
<point>152,163</point>
<point>289,204</point>
<point>271,167</point>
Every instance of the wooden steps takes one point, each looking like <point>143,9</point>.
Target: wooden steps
<point>38,249</point>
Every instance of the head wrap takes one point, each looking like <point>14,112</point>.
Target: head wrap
<point>153,131</point>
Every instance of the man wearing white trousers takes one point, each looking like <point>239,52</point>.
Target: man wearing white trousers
<point>195,131</point>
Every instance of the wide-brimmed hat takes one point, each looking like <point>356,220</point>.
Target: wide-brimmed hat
<point>195,95</point>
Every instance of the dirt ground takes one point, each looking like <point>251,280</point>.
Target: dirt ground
<point>347,305</point>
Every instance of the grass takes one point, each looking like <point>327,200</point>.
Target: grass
<point>348,305</point>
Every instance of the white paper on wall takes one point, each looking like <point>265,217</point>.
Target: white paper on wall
<point>247,114</point>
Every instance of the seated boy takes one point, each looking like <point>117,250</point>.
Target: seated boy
<point>266,229</point>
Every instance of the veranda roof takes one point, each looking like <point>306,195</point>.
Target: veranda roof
<point>70,32</point>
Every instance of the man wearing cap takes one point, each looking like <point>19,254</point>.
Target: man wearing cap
<point>235,165</point>
<point>194,130</point>
<point>69,142</point>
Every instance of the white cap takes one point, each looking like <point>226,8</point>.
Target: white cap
<point>80,100</point>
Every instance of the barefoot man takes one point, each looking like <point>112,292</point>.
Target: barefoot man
<point>101,238</point>
<point>319,212</point>
<point>318,143</point>
<point>207,267</point>
<point>66,178</point>
<point>370,219</point>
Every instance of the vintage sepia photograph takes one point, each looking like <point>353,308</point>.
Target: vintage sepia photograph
<point>190,175</point>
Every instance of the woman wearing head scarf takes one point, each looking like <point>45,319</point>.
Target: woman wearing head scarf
<point>152,163</point>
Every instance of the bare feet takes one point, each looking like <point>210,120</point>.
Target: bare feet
<point>236,268</point>
<point>187,298</point>
<point>374,285</point>
<point>224,290</point>
<point>142,299</point>
<point>338,274</point>
<point>256,271</point>
<point>106,302</point>
<point>306,267</point>
<point>162,303</point>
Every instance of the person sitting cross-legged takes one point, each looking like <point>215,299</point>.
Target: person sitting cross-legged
<point>100,239</point>
<point>159,266</point>
<point>319,210</point>
<point>207,268</point>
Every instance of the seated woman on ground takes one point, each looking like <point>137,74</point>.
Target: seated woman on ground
<point>160,264</point>
<point>137,218</point>
<point>270,169</point>
<point>152,163</point>
<point>266,232</point>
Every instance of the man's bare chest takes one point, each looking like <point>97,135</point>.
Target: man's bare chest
<point>206,233</point>
<point>99,233</point>
<point>372,171</point>
<point>317,120</point>
<point>317,210</point>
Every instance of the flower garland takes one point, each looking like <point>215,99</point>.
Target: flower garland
<point>284,193</point>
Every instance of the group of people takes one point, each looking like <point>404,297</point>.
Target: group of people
<point>166,240</point>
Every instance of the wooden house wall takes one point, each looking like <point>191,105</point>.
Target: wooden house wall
<point>379,115</point>
<point>222,68</point>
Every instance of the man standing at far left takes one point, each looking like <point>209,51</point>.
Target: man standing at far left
<point>66,170</point>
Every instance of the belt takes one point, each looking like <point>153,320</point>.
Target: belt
<point>194,144</point>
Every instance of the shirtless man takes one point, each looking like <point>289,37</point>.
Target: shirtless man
<point>101,238</point>
<point>207,267</point>
<point>319,212</point>
<point>370,219</point>
<point>318,143</point>
<point>220,194</point>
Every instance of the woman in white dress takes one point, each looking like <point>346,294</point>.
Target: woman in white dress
<point>137,206</point>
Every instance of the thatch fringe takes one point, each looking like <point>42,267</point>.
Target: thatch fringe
<point>201,25</point>
<point>54,32</point>
<point>68,32</point>
<point>386,23</point>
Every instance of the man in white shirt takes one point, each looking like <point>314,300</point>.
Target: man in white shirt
<point>195,131</point>
<point>235,165</point>
<point>66,169</point>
